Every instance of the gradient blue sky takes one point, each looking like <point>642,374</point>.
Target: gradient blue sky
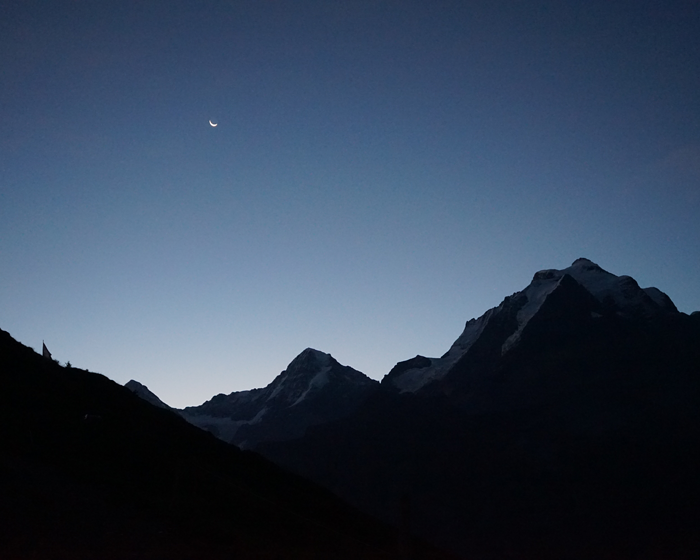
<point>382,172</point>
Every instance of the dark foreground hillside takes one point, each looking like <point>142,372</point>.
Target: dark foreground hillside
<point>89,470</point>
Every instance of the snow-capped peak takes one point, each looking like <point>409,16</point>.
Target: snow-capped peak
<point>308,370</point>
<point>621,292</point>
<point>310,358</point>
<point>618,294</point>
<point>314,385</point>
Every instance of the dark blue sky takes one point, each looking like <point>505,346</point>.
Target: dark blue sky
<point>381,173</point>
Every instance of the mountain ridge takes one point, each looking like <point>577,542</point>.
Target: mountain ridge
<point>313,389</point>
<point>564,446</point>
<point>90,470</point>
<point>551,428</point>
<point>607,293</point>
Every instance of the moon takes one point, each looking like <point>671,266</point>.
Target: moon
<point>213,124</point>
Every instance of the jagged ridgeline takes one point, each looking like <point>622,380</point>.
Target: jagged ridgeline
<point>562,423</point>
<point>314,389</point>
<point>89,470</point>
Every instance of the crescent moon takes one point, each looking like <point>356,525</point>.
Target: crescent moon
<point>213,124</point>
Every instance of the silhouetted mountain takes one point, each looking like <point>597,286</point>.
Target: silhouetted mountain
<point>564,423</point>
<point>314,389</point>
<point>89,470</point>
<point>146,394</point>
<point>554,303</point>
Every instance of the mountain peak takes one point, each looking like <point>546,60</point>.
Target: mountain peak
<point>579,268</point>
<point>309,370</point>
<point>584,284</point>
<point>315,386</point>
<point>145,393</point>
<point>310,358</point>
<point>583,262</point>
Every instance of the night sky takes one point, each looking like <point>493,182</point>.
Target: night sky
<point>381,172</point>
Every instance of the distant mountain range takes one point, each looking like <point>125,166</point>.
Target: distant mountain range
<point>314,389</point>
<point>89,470</point>
<point>565,422</point>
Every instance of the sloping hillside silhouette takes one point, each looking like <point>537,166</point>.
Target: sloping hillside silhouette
<point>90,470</point>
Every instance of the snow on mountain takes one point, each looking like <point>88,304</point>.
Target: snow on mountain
<point>614,294</point>
<point>432,369</point>
<point>621,291</point>
<point>223,427</point>
<point>313,389</point>
<point>308,372</point>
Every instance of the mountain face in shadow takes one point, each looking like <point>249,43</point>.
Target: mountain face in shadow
<point>90,470</point>
<point>564,423</point>
<point>556,305</point>
<point>314,389</point>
